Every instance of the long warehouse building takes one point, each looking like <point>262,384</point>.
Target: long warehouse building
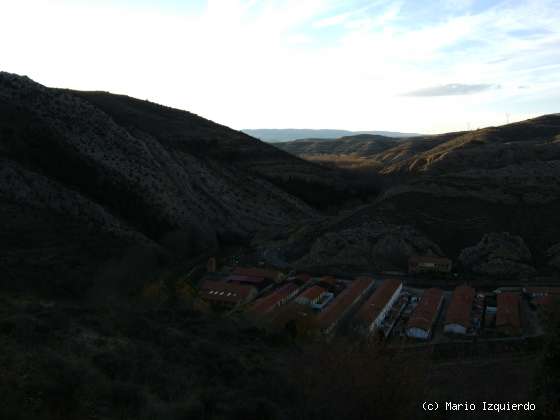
<point>375,309</point>
<point>458,317</point>
<point>344,302</point>
<point>421,323</point>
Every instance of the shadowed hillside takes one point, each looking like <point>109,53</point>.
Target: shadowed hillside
<point>87,174</point>
<point>456,187</point>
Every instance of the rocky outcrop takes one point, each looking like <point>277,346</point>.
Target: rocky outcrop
<point>499,255</point>
<point>369,246</point>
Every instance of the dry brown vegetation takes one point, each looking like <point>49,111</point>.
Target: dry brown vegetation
<point>343,161</point>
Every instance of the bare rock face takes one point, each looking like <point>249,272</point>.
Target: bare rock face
<point>499,255</point>
<point>369,246</point>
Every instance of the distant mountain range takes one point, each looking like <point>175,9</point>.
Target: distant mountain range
<point>273,135</point>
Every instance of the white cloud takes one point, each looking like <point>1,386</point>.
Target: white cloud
<point>304,63</point>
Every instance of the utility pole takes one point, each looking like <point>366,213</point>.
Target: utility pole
<point>507,117</point>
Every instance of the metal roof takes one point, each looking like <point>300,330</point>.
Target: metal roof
<point>460,307</point>
<point>371,309</point>
<point>346,298</point>
<point>508,310</point>
<point>425,313</point>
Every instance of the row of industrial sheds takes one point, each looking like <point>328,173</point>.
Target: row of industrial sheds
<point>463,314</point>
<point>318,305</point>
<point>322,303</point>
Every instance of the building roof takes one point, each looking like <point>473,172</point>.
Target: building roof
<point>542,290</point>
<point>266,303</point>
<point>508,310</point>
<point>428,259</point>
<point>374,305</point>
<point>330,280</point>
<point>425,313</point>
<point>460,307</point>
<point>340,304</point>
<point>245,279</point>
<point>303,276</point>
<point>293,311</point>
<point>225,292</point>
<point>256,272</point>
<point>314,292</point>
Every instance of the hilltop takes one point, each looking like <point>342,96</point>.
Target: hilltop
<point>493,147</point>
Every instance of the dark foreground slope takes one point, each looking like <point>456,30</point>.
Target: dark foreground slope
<point>86,174</point>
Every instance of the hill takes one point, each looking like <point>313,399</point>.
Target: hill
<point>493,147</point>
<point>451,189</point>
<point>85,175</point>
<point>274,135</point>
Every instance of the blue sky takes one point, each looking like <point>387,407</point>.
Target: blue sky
<point>422,66</point>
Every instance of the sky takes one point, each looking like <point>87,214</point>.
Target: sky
<point>409,65</point>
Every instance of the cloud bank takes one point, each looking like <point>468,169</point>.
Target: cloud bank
<point>300,63</point>
<point>452,89</point>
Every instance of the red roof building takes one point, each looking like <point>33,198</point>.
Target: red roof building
<point>425,314</point>
<point>328,280</point>
<point>311,295</point>
<point>258,282</point>
<point>295,317</point>
<point>339,308</point>
<point>226,294</point>
<point>508,318</point>
<point>373,311</point>
<point>272,275</point>
<point>267,304</point>
<point>458,317</point>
